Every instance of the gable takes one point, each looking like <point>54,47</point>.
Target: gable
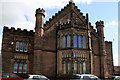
<point>67,14</point>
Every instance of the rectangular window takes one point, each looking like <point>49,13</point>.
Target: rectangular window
<point>68,41</point>
<point>17,46</point>
<point>69,54</point>
<point>75,41</point>
<point>20,68</point>
<point>64,68</point>
<point>75,67</point>
<point>63,42</point>
<point>74,54</point>
<point>84,67</point>
<point>26,47</point>
<point>79,42</point>
<point>84,42</point>
<point>15,67</point>
<point>21,46</point>
<point>24,67</point>
<point>80,68</point>
<point>69,68</point>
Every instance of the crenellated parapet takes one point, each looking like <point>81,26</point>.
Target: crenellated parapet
<point>18,31</point>
<point>100,23</point>
<point>93,31</point>
<point>40,11</point>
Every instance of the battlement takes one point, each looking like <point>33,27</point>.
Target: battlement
<point>18,30</point>
<point>99,23</point>
<point>40,11</point>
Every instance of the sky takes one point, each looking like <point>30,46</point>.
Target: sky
<point>21,14</point>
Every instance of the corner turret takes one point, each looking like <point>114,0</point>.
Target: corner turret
<point>40,15</point>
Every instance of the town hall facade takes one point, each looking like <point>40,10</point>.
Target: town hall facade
<point>66,44</point>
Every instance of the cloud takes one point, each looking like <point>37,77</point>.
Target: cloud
<point>112,23</point>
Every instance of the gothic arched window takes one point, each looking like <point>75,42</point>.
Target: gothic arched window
<point>68,41</point>
<point>75,41</point>
<point>84,42</point>
<point>63,42</point>
<point>79,42</point>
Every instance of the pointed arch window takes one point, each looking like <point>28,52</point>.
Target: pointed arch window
<point>79,42</point>
<point>68,41</point>
<point>75,41</point>
<point>63,41</point>
<point>84,42</point>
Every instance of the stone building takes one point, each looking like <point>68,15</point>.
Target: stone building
<point>64,45</point>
